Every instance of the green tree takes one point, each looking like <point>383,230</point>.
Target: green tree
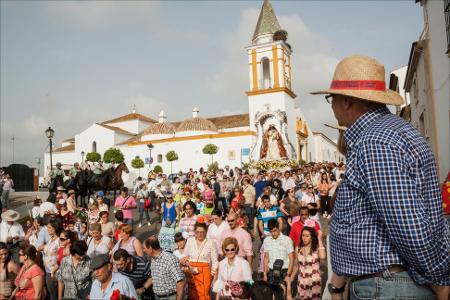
<point>157,169</point>
<point>213,167</point>
<point>113,154</point>
<point>171,156</point>
<point>137,163</point>
<point>210,149</point>
<point>93,156</point>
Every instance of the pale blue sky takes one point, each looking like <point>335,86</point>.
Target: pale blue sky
<point>70,64</point>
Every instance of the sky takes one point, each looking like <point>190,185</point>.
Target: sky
<point>70,64</point>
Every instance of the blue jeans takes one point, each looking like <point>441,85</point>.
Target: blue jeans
<point>389,286</point>
<point>142,210</point>
<point>249,213</point>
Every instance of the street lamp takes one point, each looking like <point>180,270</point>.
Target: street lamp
<point>150,147</point>
<point>50,133</point>
<point>82,156</point>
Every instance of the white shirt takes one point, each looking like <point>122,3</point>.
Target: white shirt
<point>13,230</point>
<point>307,198</point>
<point>47,206</point>
<point>214,232</point>
<point>279,248</point>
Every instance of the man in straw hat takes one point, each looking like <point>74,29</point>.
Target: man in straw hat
<point>388,235</point>
<point>11,232</point>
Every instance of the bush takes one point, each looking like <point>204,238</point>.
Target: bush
<point>157,169</point>
<point>210,149</point>
<point>213,167</point>
<point>137,163</point>
<point>113,154</point>
<point>93,156</point>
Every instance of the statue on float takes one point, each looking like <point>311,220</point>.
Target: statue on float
<point>272,147</point>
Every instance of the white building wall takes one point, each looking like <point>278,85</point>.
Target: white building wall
<point>190,154</point>
<point>103,137</point>
<point>440,83</point>
<point>325,149</point>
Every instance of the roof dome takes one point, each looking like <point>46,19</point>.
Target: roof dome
<point>159,128</point>
<point>197,124</point>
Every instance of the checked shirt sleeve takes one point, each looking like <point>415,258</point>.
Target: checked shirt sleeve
<point>401,191</point>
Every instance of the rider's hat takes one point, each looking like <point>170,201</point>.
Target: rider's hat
<point>58,164</point>
<point>60,188</point>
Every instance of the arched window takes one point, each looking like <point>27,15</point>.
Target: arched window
<point>266,81</point>
<point>94,146</point>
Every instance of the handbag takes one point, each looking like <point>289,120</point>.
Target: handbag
<point>123,204</point>
<point>147,203</point>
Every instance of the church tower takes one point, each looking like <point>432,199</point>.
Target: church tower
<point>270,97</point>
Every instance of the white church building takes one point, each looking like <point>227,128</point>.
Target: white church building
<point>240,138</point>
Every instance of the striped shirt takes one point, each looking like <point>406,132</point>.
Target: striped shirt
<point>388,211</point>
<point>140,272</point>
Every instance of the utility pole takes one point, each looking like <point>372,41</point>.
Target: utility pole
<point>12,140</point>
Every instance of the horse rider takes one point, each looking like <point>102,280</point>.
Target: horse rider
<point>57,172</point>
<point>113,164</point>
<point>73,172</point>
<point>98,170</point>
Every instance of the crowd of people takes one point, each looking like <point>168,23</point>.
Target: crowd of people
<point>204,248</point>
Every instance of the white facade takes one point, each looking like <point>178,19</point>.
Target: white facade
<point>427,82</point>
<point>326,149</point>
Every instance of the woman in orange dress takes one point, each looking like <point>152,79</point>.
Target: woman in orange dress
<point>202,258</point>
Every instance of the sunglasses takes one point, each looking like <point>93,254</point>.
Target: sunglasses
<point>63,239</point>
<point>230,250</point>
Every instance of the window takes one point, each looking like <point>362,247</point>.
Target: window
<point>265,65</point>
<point>159,158</point>
<point>94,146</point>
<point>447,22</point>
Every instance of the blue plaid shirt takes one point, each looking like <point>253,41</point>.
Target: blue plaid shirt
<point>388,210</point>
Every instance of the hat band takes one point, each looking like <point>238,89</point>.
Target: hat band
<point>372,85</point>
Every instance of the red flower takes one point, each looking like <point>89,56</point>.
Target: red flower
<point>115,295</point>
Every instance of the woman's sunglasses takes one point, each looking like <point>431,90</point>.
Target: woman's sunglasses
<point>230,250</point>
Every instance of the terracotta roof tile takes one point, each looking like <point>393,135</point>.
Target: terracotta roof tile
<point>69,140</point>
<point>197,124</point>
<point>159,128</point>
<point>132,116</point>
<point>231,121</point>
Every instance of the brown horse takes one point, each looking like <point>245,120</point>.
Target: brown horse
<point>110,180</point>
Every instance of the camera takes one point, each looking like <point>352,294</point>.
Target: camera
<point>277,276</point>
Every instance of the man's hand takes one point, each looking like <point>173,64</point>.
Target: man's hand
<point>265,277</point>
<point>442,292</point>
<point>140,291</point>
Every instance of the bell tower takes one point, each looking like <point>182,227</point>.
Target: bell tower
<point>269,61</point>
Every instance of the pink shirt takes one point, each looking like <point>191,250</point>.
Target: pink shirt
<point>244,241</point>
<point>130,201</point>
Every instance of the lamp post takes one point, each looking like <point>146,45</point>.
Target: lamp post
<point>50,133</point>
<point>82,156</point>
<point>150,147</point>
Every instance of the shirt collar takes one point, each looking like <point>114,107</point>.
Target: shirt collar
<point>353,133</point>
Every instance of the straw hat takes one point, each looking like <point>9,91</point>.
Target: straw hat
<point>362,77</point>
<point>338,127</point>
<point>60,189</point>
<point>10,215</point>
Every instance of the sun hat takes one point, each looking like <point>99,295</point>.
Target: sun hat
<point>338,127</point>
<point>361,77</point>
<point>99,261</point>
<point>60,188</point>
<point>10,215</point>
<point>70,192</point>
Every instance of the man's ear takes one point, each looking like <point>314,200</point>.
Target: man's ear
<point>347,103</point>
